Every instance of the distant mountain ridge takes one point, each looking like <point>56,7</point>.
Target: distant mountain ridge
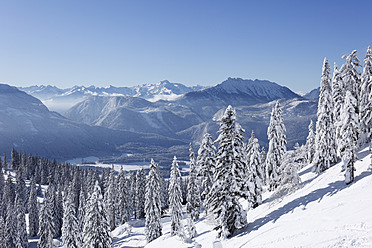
<point>62,99</point>
<point>27,125</point>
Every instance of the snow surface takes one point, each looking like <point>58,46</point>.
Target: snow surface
<point>323,212</point>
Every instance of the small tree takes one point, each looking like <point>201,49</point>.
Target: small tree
<point>175,199</point>
<point>33,214</point>
<point>310,143</point>
<point>153,204</point>
<point>70,225</point>
<point>96,228</point>
<point>140,194</point>
<point>193,192</point>
<point>206,164</point>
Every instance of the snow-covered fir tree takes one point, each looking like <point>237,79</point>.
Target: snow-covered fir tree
<point>263,163</point>
<point>193,191</point>
<point>70,224</point>
<point>310,144</point>
<point>21,240</point>
<point>277,147</point>
<point>205,162</point>
<point>366,99</point>
<point>338,96</point>
<point>11,226</point>
<point>96,227</point>
<point>175,199</point>
<point>33,214</point>
<point>81,217</point>
<point>110,199</point>
<point>191,229</point>
<point>46,225</point>
<point>58,213</point>
<point>223,199</point>
<point>153,204</point>
<point>349,131</point>
<point>139,210</point>
<point>325,137</point>
<point>351,81</point>
<point>123,199</point>
<point>289,176</point>
<point>255,173</point>
<point>2,230</point>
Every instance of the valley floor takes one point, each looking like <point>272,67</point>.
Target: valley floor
<point>323,212</point>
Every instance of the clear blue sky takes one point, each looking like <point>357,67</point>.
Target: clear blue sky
<point>126,43</point>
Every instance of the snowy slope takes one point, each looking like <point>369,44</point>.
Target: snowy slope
<point>323,212</point>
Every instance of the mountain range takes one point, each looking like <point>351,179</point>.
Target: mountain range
<point>157,120</point>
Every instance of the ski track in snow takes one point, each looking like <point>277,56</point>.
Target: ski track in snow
<point>323,212</point>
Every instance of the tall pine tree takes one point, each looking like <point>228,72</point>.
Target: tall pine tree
<point>277,147</point>
<point>70,224</point>
<point>325,138</point>
<point>366,99</point>
<point>193,192</point>
<point>175,199</point>
<point>153,204</point>
<point>310,143</point>
<point>223,199</point>
<point>96,227</point>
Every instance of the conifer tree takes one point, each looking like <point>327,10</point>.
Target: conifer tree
<point>175,199</point>
<point>81,218</point>
<point>325,138</point>
<point>11,226</point>
<point>2,184</point>
<point>21,240</point>
<point>351,79</point>
<point>140,194</point>
<point>193,192</point>
<point>223,199</point>
<point>277,147</point>
<point>70,224</point>
<point>310,143</point>
<point>206,164</point>
<point>33,214</point>
<point>263,162</point>
<point>110,200</point>
<point>153,204</point>
<point>123,201</point>
<point>338,95</point>
<point>2,230</point>
<point>366,99</point>
<point>96,228</point>
<point>58,213</point>
<point>46,225</point>
<point>191,229</point>
<point>255,173</point>
<point>349,130</point>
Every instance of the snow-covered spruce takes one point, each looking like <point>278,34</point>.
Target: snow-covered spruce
<point>255,173</point>
<point>366,99</point>
<point>70,224</point>
<point>123,201</point>
<point>175,198</point>
<point>325,137</point>
<point>110,199</point>
<point>46,224</point>
<point>351,81</point>
<point>227,188</point>
<point>33,212</point>
<point>193,192</point>
<point>139,210</point>
<point>206,164</point>
<point>96,227</point>
<point>310,144</point>
<point>277,147</point>
<point>21,240</point>
<point>338,96</point>
<point>153,204</point>
<point>349,129</point>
